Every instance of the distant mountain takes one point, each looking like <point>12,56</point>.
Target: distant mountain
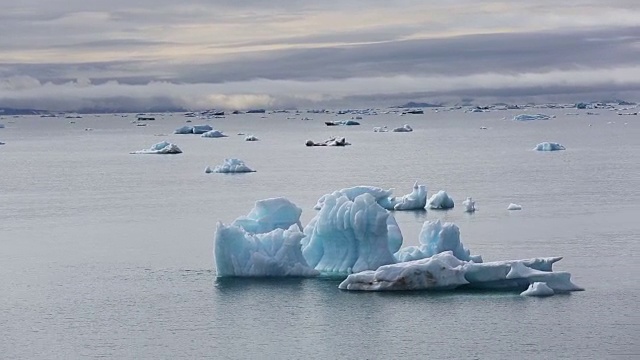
<point>12,111</point>
<point>413,104</point>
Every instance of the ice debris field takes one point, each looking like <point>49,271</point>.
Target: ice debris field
<point>356,237</point>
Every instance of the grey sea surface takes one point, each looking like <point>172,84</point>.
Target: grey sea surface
<point>104,254</point>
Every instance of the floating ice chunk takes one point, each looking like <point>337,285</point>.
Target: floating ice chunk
<point>341,122</point>
<point>195,129</point>
<point>250,138</point>
<point>529,117</point>
<point>469,205</point>
<point>440,200</point>
<point>270,214</point>
<point>538,289</point>
<point>436,238</point>
<point>549,146</point>
<point>351,236</point>
<point>1,143</point>
<point>445,271</point>
<point>208,170</point>
<point>232,166</point>
<point>276,253</point>
<point>415,200</point>
<point>404,128</point>
<point>380,129</point>
<point>332,141</point>
<point>213,134</point>
<point>442,271</point>
<point>163,147</point>
<point>513,206</point>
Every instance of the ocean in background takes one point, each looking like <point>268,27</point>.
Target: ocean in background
<point>107,254</point>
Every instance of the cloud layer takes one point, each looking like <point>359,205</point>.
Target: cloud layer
<point>75,55</point>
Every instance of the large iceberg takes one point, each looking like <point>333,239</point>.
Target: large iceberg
<point>445,271</point>
<point>266,242</point>
<point>163,147</point>
<point>530,117</point>
<point>351,235</point>
<point>360,239</point>
<point>415,200</point>
<point>436,238</point>
<point>440,200</point>
<point>230,166</point>
<point>549,146</point>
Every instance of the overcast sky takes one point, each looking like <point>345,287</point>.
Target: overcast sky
<point>197,54</point>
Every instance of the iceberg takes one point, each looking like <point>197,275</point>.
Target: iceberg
<point>469,205</point>
<point>341,122</point>
<point>444,271</point>
<point>195,129</point>
<point>436,237</point>
<point>265,242</point>
<point>440,200</point>
<point>230,166</point>
<point>513,206</point>
<point>332,141</point>
<point>415,200</point>
<point>530,117</point>
<point>250,138</point>
<point>349,236</point>
<point>380,129</point>
<point>213,134</point>
<point>163,147</point>
<point>275,253</point>
<point>538,289</point>
<point>404,128</point>
<point>549,146</point>
<point>1,143</point>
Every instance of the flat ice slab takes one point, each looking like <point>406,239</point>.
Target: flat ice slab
<point>549,146</point>
<point>530,117</point>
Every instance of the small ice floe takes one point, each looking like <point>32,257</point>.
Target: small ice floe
<point>440,200</point>
<point>333,141</point>
<point>230,166</point>
<point>538,289</point>
<point>404,128</point>
<point>250,138</point>
<point>469,205</point>
<point>380,129</point>
<point>88,129</point>
<point>483,128</point>
<point>529,117</point>
<point>1,143</point>
<point>161,148</point>
<point>513,206</point>
<point>549,146</point>
<point>213,134</point>
<point>341,122</point>
<point>195,129</point>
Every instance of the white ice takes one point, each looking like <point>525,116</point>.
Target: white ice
<point>213,134</point>
<point>351,236</point>
<point>231,166</point>
<point>440,200</point>
<point>250,138</point>
<point>529,117</point>
<point>549,146</point>
<point>469,205</point>
<point>380,129</point>
<point>404,128</point>
<point>342,122</point>
<point>444,271</point>
<point>163,147</point>
<point>195,129</point>
<point>437,237</point>
<point>538,289</point>
<point>513,206</point>
<point>415,200</point>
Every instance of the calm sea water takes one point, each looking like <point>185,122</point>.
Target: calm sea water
<point>107,254</point>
